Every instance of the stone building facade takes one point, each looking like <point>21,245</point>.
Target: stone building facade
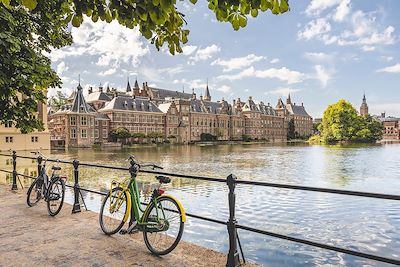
<point>12,138</point>
<point>178,116</point>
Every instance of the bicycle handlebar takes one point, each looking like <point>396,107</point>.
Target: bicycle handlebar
<point>154,166</point>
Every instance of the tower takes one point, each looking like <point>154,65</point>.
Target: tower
<point>207,96</point>
<point>288,100</point>
<point>364,107</point>
<point>128,87</point>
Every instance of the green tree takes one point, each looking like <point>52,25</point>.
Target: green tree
<point>341,123</point>
<point>291,134</point>
<point>120,133</point>
<point>32,27</point>
<point>58,100</point>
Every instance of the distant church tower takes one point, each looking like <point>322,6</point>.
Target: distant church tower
<point>207,96</point>
<point>364,107</point>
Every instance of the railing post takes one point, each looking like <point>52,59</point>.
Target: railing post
<point>39,165</point>
<point>14,174</point>
<point>77,206</point>
<point>233,254</point>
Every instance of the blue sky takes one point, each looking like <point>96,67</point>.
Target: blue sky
<point>320,51</point>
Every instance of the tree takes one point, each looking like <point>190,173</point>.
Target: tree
<point>291,134</point>
<point>341,123</point>
<point>120,133</point>
<point>33,27</point>
<point>58,100</point>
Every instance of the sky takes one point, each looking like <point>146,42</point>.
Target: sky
<point>319,52</point>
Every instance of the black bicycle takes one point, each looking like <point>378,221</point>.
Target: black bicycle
<point>51,190</point>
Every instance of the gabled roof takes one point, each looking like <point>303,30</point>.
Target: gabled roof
<point>132,104</point>
<point>164,107</point>
<point>297,110</point>
<point>97,96</point>
<point>249,105</point>
<point>266,109</point>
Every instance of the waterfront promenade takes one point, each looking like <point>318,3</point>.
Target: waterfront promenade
<point>30,237</point>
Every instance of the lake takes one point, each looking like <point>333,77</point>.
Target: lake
<point>364,224</point>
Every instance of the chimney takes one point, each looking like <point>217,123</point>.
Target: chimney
<point>250,98</point>
<point>268,104</point>
<point>144,86</point>
<point>90,90</point>
<point>201,97</point>
<point>383,115</point>
<point>302,104</point>
<point>234,102</point>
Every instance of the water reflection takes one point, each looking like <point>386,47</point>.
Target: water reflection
<point>362,224</point>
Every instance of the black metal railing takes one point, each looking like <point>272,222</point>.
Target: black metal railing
<point>232,224</point>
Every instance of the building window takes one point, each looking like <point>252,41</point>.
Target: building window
<point>8,124</point>
<point>96,122</point>
<point>73,133</point>
<point>9,139</point>
<point>72,121</point>
<point>34,139</point>
<point>96,133</point>
<point>83,133</point>
<point>104,133</point>
<point>83,121</point>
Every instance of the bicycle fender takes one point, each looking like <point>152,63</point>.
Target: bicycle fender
<point>179,205</point>
<point>128,206</point>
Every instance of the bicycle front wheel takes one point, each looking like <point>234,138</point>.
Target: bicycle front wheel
<point>112,211</point>
<point>164,225</point>
<point>55,198</point>
<point>34,193</point>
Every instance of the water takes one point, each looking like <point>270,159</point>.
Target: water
<point>363,224</point>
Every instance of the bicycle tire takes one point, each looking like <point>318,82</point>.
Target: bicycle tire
<point>51,195</point>
<point>148,234</point>
<point>30,190</point>
<point>103,216</point>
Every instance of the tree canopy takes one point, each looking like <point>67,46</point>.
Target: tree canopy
<point>341,123</point>
<point>31,27</point>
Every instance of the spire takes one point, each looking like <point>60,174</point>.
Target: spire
<point>207,95</point>
<point>128,86</point>
<point>364,98</point>
<point>79,104</point>
<point>136,84</point>
<point>79,84</point>
<point>288,100</point>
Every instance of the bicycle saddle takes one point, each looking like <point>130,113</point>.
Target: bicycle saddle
<point>56,168</point>
<point>163,179</point>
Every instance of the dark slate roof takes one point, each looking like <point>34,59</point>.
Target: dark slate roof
<point>296,110</point>
<point>97,96</point>
<point>266,109</point>
<point>101,116</point>
<point>202,106</point>
<point>130,103</point>
<point>164,93</point>
<point>78,104</point>
<point>280,103</point>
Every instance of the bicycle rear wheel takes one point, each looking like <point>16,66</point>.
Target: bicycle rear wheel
<point>34,193</point>
<point>164,225</point>
<point>55,198</point>
<point>112,211</point>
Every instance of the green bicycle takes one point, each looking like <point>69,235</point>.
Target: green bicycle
<point>161,220</point>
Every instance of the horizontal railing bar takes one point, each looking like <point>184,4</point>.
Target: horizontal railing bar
<point>194,177</point>
<point>322,190</point>
<point>1,170</point>
<point>319,245</point>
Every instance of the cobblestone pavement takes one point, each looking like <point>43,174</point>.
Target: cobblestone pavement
<point>30,237</point>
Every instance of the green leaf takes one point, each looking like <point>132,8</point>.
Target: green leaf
<point>30,4</point>
<point>254,13</point>
<point>6,3</point>
<point>193,1</point>
<point>77,20</point>
<point>242,21</point>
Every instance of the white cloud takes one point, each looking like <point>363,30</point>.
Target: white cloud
<point>323,75</point>
<point>387,58</point>
<point>342,10</point>
<point>61,67</point>
<point>391,69</point>
<point>188,49</point>
<point>237,62</point>
<point>112,43</point>
<point>314,28</point>
<point>318,56</point>
<point>282,91</point>
<point>283,74</point>
<point>361,29</point>
<point>317,6</point>
<point>224,88</point>
<point>108,72</point>
<point>195,83</point>
<point>205,53</point>
<point>275,60</point>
